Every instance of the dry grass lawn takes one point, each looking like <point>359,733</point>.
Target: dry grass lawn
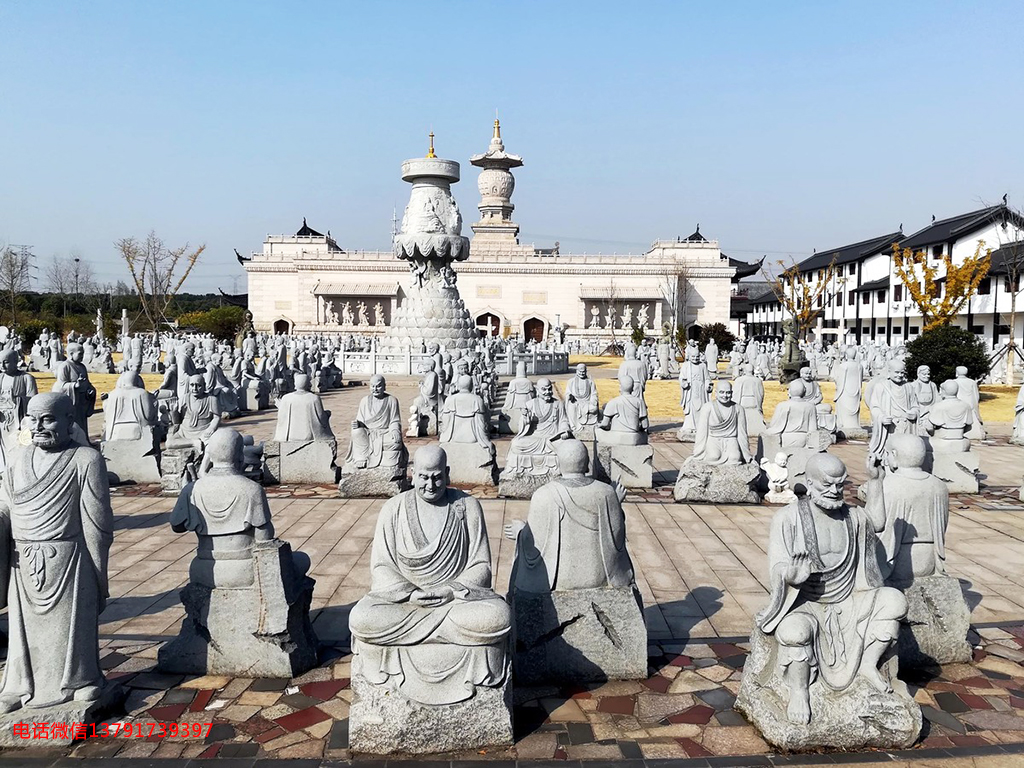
<point>104,382</point>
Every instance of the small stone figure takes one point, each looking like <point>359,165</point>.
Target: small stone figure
<point>520,392</point>
<point>16,389</point>
<point>304,448</point>
<point>73,381</point>
<point>130,444</point>
<point>849,378</point>
<point>813,677</point>
<point>777,477</point>
<point>378,315</point>
<point>949,426</point>
<point>248,597</point>
<point>423,414</point>
<point>430,671</point>
<point>581,403</point>
<point>926,393</point>
<point>916,508</point>
<point>531,459</point>
<point>967,390</point>
<point>57,530</point>
<point>377,457</point>
<point>363,319</point>
<point>695,390</point>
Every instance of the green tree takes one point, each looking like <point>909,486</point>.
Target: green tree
<point>942,349</point>
<point>222,322</point>
<point>723,337</point>
<point>638,335</point>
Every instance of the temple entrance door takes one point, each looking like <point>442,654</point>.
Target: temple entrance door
<point>280,326</point>
<point>533,329</point>
<point>488,324</point>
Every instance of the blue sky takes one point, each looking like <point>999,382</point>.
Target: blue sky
<point>780,127</point>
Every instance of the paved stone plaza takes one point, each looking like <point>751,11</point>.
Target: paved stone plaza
<point>700,568</point>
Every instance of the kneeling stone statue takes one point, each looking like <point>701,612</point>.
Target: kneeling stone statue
<point>822,670</point>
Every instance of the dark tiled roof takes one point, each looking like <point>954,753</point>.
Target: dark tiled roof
<point>850,253</point>
<point>744,268</point>
<point>874,285</point>
<point>1007,254</point>
<point>960,226</point>
<point>307,231</point>
<point>696,237</point>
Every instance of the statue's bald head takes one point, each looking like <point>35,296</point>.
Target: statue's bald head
<point>302,382</point>
<point>430,473</point>
<point>908,451</point>
<point>961,370</point>
<point>225,448</point>
<point>824,470</point>
<point>430,457</point>
<point>572,457</point>
<point>950,388</point>
<point>625,383</point>
<point>465,383</point>
<point>797,389</point>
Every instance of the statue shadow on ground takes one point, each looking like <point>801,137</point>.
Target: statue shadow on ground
<point>123,522</point>
<point>699,604</point>
<point>330,624</point>
<point>132,606</point>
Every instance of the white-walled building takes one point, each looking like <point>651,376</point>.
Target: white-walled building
<point>307,283</point>
<point>866,301</point>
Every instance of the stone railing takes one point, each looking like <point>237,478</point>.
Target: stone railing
<point>537,363</point>
<point>409,363</point>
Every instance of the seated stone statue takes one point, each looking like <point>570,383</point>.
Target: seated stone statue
<point>465,436</point>
<point>57,527</point>
<point>949,424</point>
<point>625,420</point>
<point>130,444</point>
<point>531,456</point>
<point>967,390</point>
<point>820,673</point>
<point>72,379</point>
<point>198,417</point>
<point>248,597</point>
<point>926,393</point>
<point>301,416</point>
<point>893,409</point>
<point>430,639</point>
<point>572,588</point>
<point>916,508</point>
<point>520,392</point>
<point>777,477</point>
<point>255,387</point>
<point>581,403</point>
<point>423,414</point>
<point>795,420</point>
<point>377,457</point>
<point>16,389</point>
<point>304,448</point>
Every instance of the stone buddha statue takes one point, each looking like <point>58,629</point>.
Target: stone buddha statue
<point>893,408</point>
<point>581,402</point>
<point>544,421</point>
<point>748,392</point>
<point>464,418</point>
<point>73,381</point>
<point>16,389</point>
<point>722,431</point>
<point>198,417</point>
<point>635,369</point>
<point>301,416</point>
<point>849,377</point>
<point>695,391</point>
<point>625,420</point>
<point>795,419</point>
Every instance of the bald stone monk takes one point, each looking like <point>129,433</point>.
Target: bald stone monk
<point>129,410</point>
<point>377,430</point>
<point>72,379</point>
<point>794,419</point>
<point>544,421</point>
<point>625,420</point>
<point>464,417</point>
<point>431,628</point>
<point>722,431</point>
<point>301,416</point>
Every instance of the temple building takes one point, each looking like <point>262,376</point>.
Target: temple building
<point>307,283</point>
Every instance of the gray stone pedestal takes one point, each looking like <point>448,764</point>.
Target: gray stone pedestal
<point>471,464</point>
<point>258,631</point>
<point>521,485</point>
<point>958,470</point>
<point>935,631</point>
<point>858,717</point>
<point>631,465</point>
<point>131,461</point>
<point>423,425</point>
<point>384,722</point>
<point>109,705</point>
<point>379,482</point>
<point>251,401</point>
<point>309,463</point>
<point>725,484</point>
<point>578,635</point>
<point>173,462</point>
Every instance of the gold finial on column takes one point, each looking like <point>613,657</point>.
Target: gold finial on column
<point>431,152</point>
<point>497,128</point>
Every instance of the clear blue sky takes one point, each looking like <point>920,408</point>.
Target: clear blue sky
<point>780,127</point>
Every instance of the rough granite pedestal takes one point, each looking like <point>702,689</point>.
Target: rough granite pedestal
<point>262,630</point>
<point>630,465</point>
<point>253,401</point>
<point>578,635</point>
<point>173,463</point>
<point>958,470</point>
<point>471,464</point>
<point>384,722</point>
<point>379,482</point>
<point>521,485</point>
<point>132,461</point>
<point>718,484</point>
<point>308,462</point>
<point>89,713</point>
<point>935,631</point>
<point>858,717</point>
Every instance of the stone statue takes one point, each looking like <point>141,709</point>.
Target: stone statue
<point>520,392</point>
<point>595,318</point>
<point>926,393</point>
<point>1017,437</point>
<point>130,444</point>
<point>949,425</point>
<point>430,665</point>
<point>609,319</point>
<point>777,476</point>
<point>198,417</point>
<point>346,313</point>
<point>635,369</point>
<point>695,391</point>
<point>621,451</point>
<point>916,509</point>
<point>893,409</point>
<point>627,317</point>
<point>377,457</point>
<point>577,613</point>
<point>73,381</point>
<point>642,320</point>
<point>795,420</point>
<point>378,315</point>
<point>813,677</point>
<point>581,403</point>
<point>304,448</point>
<point>967,390</point>
<point>248,597</point>
<point>16,389</point>
<point>423,414</point>
<point>748,392</point>
<point>849,378</point>
<point>301,416</point>
<point>57,529</point>
<point>531,458</point>
<point>362,317</point>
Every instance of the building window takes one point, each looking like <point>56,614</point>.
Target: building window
<point>880,329</point>
<point>936,251</point>
<point>940,285</point>
<point>865,297</point>
<point>853,269</point>
<point>1011,288</point>
<point>897,292</point>
<point>898,330</point>
<point>839,299</point>
<point>852,298</point>
<point>985,287</point>
<point>865,331</point>
<point>1004,330</point>
<point>915,329</point>
<point>819,301</point>
<point>881,296</point>
<point>978,329</point>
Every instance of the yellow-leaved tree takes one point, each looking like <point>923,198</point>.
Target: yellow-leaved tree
<point>940,289</point>
<point>801,297</point>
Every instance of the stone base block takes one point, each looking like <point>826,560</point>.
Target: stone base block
<point>631,465</point>
<point>373,483</point>
<point>309,463</point>
<point>517,485</point>
<point>383,722</point>
<point>858,717</point>
<point>471,464</point>
<point>173,465</point>
<point>258,631</point>
<point>858,433</point>
<point>108,706</point>
<point>958,470</point>
<point>251,401</point>
<point>723,484</point>
<point>579,635</point>
<point>131,461</point>
<point>935,631</point>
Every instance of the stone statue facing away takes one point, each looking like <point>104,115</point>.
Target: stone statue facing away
<point>577,613</point>
<point>821,671</point>
<point>377,457</point>
<point>621,450</point>
<point>304,448</point>
<point>57,527</point>
<point>248,597</point>
<point>130,444</point>
<point>430,671</point>
<point>949,427</point>
<point>465,436</point>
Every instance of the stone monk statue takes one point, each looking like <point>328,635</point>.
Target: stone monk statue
<point>581,396</point>
<point>849,378</point>
<point>16,389</point>
<point>129,410</point>
<point>198,416</point>
<point>57,529</point>
<point>377,430</point>
<point>722,431</point>
<point>431,628</point>
<point>301,416</point>
<point>625,420</point>
<point>795,419</point>
<point>893,409</point>
<point>73,381</point>
<point>464,417</point>
<point>544,421</point>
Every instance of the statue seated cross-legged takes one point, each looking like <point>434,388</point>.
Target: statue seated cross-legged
<point>621,450</point>
<point>531,459</point>
<point>303,449</point>
<point>430,639</point>
<point>377,457</point>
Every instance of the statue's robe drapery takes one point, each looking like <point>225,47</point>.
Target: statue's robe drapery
<point>301,417</point>
<point>842,599</point>
<point>748,391</point>
<point>531,450</point>
<point>916,512</point>
<point>893,401</point>
<point>950,421</point>
<point>379,442</point>
<point>793,421</point>
<point>721,435</point>
<point>397,640</point>
<point>73,381</point>
<point>581,402</point>
<point>849,379</point>
<point>126,414</point>
<point>813,395</point>
<point>199,412</point>
<point>61,527</point>
<point>464,420</point>
<point>568,546</point>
